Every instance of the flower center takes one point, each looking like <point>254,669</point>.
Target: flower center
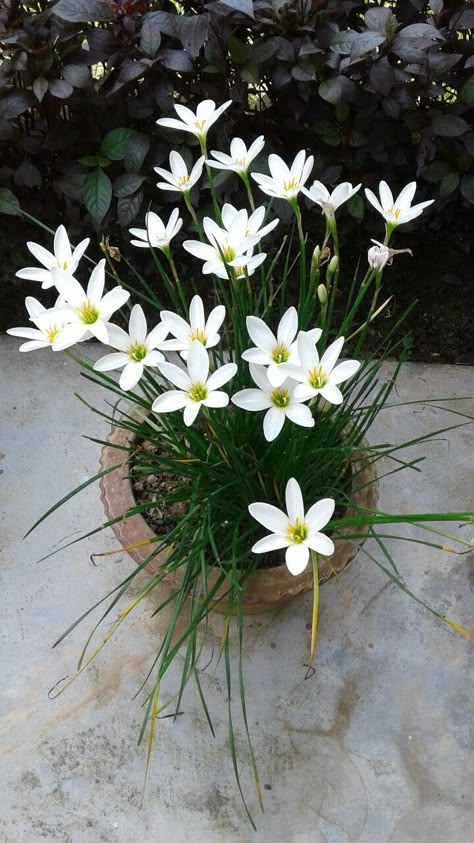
<point>182,181</point>
<point>280,353</point>
<point>242,162</point>
<point>239,271</point>
<point>199,124</point>
<point>297,532</point>
<point>199,335</point>
<point>51,332</point>
<point>227,253</point>
<point>63,265</point>
<point>88,313</point>
<point>280,398</point>
<point>197,392</point>
<point>395,211</point>
<point>137,352</point>
<point>289,185</point>
<point>317,378</point>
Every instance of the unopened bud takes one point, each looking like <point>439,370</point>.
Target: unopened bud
<point>333,265</point>
<point>315,260</point>
<point>322,294</point>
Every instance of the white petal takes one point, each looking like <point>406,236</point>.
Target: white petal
<point>112,301</point>
<point>27,333</point>
<point>221,376</point>
<point>257,356</point>
<point>300,414</point>
<point>62,247</point>
<point>111,361</point>
<point>196,313</point>
<point>172,400</point>
<point>69,336</point>
<point>386,196</point>
<point>190,412</point>
<point>95,287</point>
<point>131,375</point>
<point>332,394</point>
<point>294,501</point>
<point>33,345</point>
<point>269,543</point>
<point>405,198</point>
<point>374,201</point>
<point>288,327</point>
<point>176,375</point>
<point>296,558</point>
<point>42,255</point>
<point>216,399</point>
<point>275,374</point>
<point>197,362</point>
<point>343,371</point>
<point>252,400</point>
<point>118,338</point>
<point>319,514</point>
<point>99,330</point>
<point>34,273</point>
<point>307,353</point>
<point>69,288</point>
<point>176,325</point>
<point>260,377</point>
<point>153,359</point>
<point>157,335</point>
<point>78,252</point>
<point>137,326</point>
<point>214,321</point>
<point>272,423</point>
<point>321,544</point>
<point>270,517</point>
<point>330,356</point>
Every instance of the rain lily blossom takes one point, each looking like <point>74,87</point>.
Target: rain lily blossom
<point>63,259</point>
<point>230,247</point>
<point>86,312</point>
<point>285,182</point>
<point>273,350</point>
<point>197,123</point>
<point>157,234</point>
<point>293,529</point>
<point>198,328</point>
<point>400,210</point>
<point>253,223</point>
<point>137,349</point>
<point>320,377</point>
<point>195,386</point>
<point>240,157</point>
<point>330,202</point>
<point>38,337</point>
<point>179,179</point>
<point>378,255</point>
<point>279,402</point>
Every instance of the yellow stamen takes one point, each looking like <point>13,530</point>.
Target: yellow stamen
<point>395,211</point>
<point>197,392</point>
<point>182,181</point>
<point>51,332</point>
<point>280,398</point>
<point>197,335</point>
<point>316,377</point>
<point>199,124</point>
<point>227,253</point>
<point>88,313</point>
<point>289,185</point>
<point>296,533</point>
<point>280,353</point>
<point>242,162</point>
<point>137,352</point>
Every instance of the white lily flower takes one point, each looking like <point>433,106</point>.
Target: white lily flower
<point>397,211</point>
<point>40,337</point>
<point>330,202</point>
<point>195,386</point>
<point>156,233</point>
<point>240,157</point>
<point>230,247</point>
<point>293,529</point>
<point>378,255</point>
<point>253,223</point>
<point>273,350</point>
<point>285,182</point>
<point>86,312</point>
<point>64,259</point>
<point>197,123</point>
<point>280,403</point>
<point>179,180</point>
<point>198,328</point>
<point>137,349</point>
<point>320,377</point>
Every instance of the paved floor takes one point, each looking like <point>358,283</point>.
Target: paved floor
<point>374,748</point>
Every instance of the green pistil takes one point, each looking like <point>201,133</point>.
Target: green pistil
<point>197,392</point>
<point>88,313</point>
<point>297,532</point>
<point>280,398</point>
<point>280,353</point>
<point>137,352</point>
<point>317,378</point>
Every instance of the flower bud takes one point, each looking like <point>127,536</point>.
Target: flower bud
<point>315,260</point>
<point>322,294</point>
<point>378,255</point>
<point>333,265</point>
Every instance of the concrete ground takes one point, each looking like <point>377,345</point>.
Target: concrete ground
<point>374,748</point>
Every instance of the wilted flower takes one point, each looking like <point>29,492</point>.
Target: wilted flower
<point>195,386</point>
<point>330,202</point>
<point>38,337</point>
<point>156,233</point>
<point>64,259</point>
<point>293,529</point>
<point>280,403</point>
<point>240,157</point>
<point>86,312</point>
<point>273,350</point>
<point>179,180</point>
<point>137,348</point>
<point>198,328</point>
<point>398,211</point>
<point>378,255</point>
<point>320,377</point>
<point>285,182</point>
<point>198,123</point>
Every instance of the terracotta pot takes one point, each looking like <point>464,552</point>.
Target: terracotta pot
<point>269,587</point>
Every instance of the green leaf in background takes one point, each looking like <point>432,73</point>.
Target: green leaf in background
<point>115,143</point>
<point>94,161</point>
<point>467,188</point>
<point>355,206</point>
<point>448,184</point>
<point>136,151</point>
<point>82,11</point>
<point>127,184</point>
<point>9,204</point>
<point>97,193</point>
<point>128,207</point>
<point>466,94</point>
<point>449,126</point>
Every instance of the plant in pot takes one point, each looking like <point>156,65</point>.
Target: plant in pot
<point>237,472</point>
